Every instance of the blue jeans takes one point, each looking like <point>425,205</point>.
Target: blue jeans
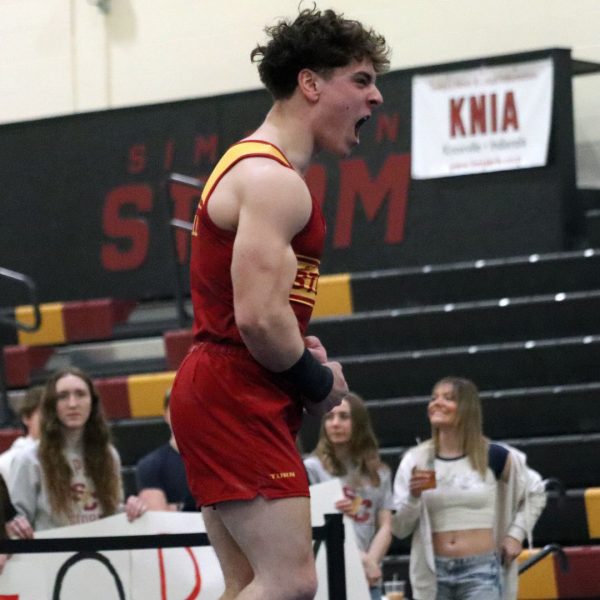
<point>375,593</point>
<point>469,578</point>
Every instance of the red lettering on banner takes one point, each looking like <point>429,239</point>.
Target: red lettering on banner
<point>163,576</point>
<point>133,230</point>
<point>185,199</point>
<point>136,162</point>
<point>478,114</point>
<point>206,147</point>
<point>316,180</point>
<point>483,114</point>
<point>9,597</point>
<point>455,116</point>
<point>510,118</point>
<point>387,127</point>
<point>355,181</point>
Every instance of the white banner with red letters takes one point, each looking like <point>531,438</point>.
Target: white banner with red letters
<point>167,574</point>
<point>481,120</point>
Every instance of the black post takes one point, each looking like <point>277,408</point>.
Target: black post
<point>336,564</point>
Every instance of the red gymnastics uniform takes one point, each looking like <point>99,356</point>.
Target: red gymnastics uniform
<point>235,421</point>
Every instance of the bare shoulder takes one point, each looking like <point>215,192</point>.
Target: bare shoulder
<point>264,186</point>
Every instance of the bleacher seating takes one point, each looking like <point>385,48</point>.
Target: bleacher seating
<point>524,329</point>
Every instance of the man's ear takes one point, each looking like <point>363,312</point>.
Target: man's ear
<point>309,84</point>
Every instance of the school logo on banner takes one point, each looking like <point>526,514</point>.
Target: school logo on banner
<point>481,120</point>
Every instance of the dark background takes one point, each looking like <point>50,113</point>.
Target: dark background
<point>84,206</point>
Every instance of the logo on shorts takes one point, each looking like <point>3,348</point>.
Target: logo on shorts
<point>284,475</point>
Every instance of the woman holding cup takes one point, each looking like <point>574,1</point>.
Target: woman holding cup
<point>468,503</point>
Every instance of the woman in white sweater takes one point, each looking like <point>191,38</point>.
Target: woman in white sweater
<point>72,475</point>
<point>467,530</point>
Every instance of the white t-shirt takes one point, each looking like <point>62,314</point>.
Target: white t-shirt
<point>372,498</point>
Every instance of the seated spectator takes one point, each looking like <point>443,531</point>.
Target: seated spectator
<point>7,513</point>
<point>72,475</point>
<point>348,449</point>
<point>28,411</point>
<point>467,502</point>
<point>160,475</point>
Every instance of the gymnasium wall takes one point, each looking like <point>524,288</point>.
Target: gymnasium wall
<point>63,56</point>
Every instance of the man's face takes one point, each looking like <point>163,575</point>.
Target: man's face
<point>348,96</point>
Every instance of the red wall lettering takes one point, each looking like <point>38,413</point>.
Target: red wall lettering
<point>509,118</point>
<point>387,127</point>
<point>185,199</point>
<point>135,230</point>
<point>136,162</point>
<point>355,181</point>
<point>169,153</point>
<point>206,146</point>
<point>316,180</point>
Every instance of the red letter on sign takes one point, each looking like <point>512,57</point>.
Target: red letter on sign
<point>355,181</point>
<point>455,117</point>
<point>134,230</point>
<point>510,113</point>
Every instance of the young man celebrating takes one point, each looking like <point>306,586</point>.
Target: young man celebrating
<point>258,235</point>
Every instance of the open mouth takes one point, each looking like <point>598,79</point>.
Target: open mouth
<point>360,123</point>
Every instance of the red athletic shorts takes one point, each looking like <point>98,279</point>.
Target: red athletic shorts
<point>235,426</point>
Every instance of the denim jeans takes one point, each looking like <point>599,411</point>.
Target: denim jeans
<point>375,593</point>
<point>469,578</point>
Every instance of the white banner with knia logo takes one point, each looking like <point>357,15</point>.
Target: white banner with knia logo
<point>481,120</point>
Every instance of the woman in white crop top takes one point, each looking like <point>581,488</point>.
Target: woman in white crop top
<point>469,528</point>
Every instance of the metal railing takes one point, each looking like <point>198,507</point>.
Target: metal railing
<point>183,317</point>
<point>563,560</point>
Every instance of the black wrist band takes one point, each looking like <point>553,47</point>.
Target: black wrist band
<point>312,378</point>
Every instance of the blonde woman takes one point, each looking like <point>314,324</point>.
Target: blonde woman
<point>73,475</point>
<point>469,528</point>
<point>348,449</point>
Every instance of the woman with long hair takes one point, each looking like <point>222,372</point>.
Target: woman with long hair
<point>468,503</point>
<point>348,449</point>
<point>73,475</point>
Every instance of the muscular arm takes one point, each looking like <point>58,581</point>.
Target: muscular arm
<point>275,205</point>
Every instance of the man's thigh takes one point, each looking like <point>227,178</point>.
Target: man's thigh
<point>275,535</point>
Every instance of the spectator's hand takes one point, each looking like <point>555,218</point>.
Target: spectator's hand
<point>372,570</point>
<point>3,559</point>
<point>135,508</point>
<point>346,506</point>
<point>511,548</point>
<point>313,343</point>
<point>419,481</point>
<point>20,528</point>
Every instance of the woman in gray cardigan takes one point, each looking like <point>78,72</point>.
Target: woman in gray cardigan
<point>469,528</point>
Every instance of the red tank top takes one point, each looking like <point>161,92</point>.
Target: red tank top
<point>212,247</point>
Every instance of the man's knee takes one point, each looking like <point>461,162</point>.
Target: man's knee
<point>303,587</point>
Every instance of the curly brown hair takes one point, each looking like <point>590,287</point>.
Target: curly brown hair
<point>99,462</point>
<point>315,40</point>
<point>364,447</point>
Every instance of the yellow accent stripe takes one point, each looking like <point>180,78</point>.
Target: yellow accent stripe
<point>147,393</point>
<point>234,154</point>
<point>52,328</point>
<point>538,582</point>
<point>334,296</point>
<point>592,509</point>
